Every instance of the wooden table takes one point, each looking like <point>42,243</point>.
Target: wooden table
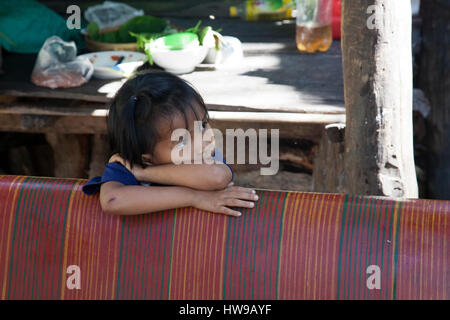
<point>274,87</point>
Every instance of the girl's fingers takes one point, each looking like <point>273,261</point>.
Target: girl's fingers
<point>229,212</point>
<point>114,158</point>
<point>243,196</point>
<point>239,203</point>
<point>242,190</point>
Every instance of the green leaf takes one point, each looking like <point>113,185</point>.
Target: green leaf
<point>194,29</point>
<point>93,30</point>
<point>142,24</point>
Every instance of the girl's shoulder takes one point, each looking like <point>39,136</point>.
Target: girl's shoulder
<point>114,171</point>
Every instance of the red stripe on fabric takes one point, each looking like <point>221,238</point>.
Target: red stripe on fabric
<point>70,294</point>
<point>177,247</point>
<point>9,201</point>
<point>290,239</point>
<point>206,269</point>
<point>353,283</point>
<point>72,245</point>
<point>324,251</point>
<point>17,234</point>
<point>272,243</point>
<point>297,202</point>
<point>29,207</point>
<point>32,235</point>
<point>145,261</point>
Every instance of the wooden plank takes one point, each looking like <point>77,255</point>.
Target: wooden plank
<point>99,152</point>
<point>272,77</point>
<point>276,117</point>
<point>52,115</point>
<point>329,164</point>
<point>32,123</point>
<point>182,8</point>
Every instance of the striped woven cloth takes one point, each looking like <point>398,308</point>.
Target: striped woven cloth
<point>290,246</point>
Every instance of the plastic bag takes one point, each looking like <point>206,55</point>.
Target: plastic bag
<point>230,53</point>
<point>57,65</point>
<point>111,14</point>
<point>26,24</point>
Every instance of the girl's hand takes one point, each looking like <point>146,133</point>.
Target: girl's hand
<point>137,171</point>
<point>219,201</point>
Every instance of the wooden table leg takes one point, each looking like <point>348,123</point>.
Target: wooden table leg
<point>100,153</point>
<point>71,154</point>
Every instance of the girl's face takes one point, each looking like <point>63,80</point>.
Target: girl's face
<point>163,149</point>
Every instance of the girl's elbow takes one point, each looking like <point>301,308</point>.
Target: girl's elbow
<point>221,177</point>
<point>110,205</point>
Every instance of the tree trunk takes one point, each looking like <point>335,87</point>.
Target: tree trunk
<point>377,64</point>
<point>435,81</point>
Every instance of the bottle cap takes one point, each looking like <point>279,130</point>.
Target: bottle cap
<point>233,11</point>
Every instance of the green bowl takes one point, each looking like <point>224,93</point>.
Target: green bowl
<point>177,41</point>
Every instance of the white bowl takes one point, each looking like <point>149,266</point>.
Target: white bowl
<point>104,60</point>
<point>178,61</point>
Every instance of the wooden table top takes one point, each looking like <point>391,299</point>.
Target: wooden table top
<point>274,76</point>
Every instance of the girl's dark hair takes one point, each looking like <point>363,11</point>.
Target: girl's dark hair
<point>140,103</point>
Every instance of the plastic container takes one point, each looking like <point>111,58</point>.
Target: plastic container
<point>336,24</point>
<point>252,10</point>
<point>111,14</point>
<point>314,25</point>
<point>57,65</point>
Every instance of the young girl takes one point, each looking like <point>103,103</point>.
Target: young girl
<point>141,176</point>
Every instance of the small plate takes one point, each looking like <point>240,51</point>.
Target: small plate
<point>105,63</point>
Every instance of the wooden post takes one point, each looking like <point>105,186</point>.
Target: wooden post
<point>100,154</point>
<point>377,65</point>
<point>70,154</point>
<point>329,163</point>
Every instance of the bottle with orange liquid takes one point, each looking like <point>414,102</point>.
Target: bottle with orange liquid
<point>314,31</point>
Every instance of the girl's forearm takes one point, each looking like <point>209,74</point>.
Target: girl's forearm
<point>133,200</point>
<point>196,176</point>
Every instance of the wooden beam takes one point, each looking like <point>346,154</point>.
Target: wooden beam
<point>90,118</point>
<point>377,65</point>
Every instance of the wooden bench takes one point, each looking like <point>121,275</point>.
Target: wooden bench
<point>290,246</point>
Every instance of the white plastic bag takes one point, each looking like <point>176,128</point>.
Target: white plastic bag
<point>230,53</point>
<point>57,65</point>
<point>111,14</point>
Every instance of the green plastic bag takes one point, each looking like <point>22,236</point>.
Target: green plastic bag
<point>26,24</point>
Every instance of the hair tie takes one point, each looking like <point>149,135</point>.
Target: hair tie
<point>129,107</point>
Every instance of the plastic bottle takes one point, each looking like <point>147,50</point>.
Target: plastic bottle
<point>336,25</point>
<point>314,20</point>
<point>257,10</point>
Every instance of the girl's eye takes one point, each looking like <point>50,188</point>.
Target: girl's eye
<point>181,144</point>
<point>204,125</point>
